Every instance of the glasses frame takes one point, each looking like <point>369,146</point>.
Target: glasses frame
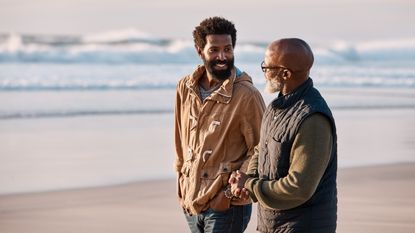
<point>265,69</point>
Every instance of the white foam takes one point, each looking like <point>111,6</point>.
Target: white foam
<point>127,34</point>
<point>134,46</point>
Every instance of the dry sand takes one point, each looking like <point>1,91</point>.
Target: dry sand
<point>371,199</point>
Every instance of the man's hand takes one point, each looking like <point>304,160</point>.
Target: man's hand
<point>237,182</point>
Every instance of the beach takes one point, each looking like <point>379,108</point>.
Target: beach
<point>371,199</point>
<point>375,180</point>
<point>87,107</point>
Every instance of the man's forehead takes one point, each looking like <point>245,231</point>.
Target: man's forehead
<point>220,39</point>
<point>272,57</point>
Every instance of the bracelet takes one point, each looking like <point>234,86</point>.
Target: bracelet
<point>228,193</point>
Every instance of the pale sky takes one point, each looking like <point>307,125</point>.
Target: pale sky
<point>262,20</point>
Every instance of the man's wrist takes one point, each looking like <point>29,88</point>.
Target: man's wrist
<point>228,193</point>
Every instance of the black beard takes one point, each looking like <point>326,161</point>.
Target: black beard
<point>220,75</point>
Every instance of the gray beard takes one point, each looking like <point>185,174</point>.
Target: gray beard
<point>272,86</point>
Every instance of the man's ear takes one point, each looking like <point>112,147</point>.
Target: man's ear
<point>286,74</point>
<point>199,51</point>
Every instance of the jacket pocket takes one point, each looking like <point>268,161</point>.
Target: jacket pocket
<point>280,157</point>
<point>274,152</point>
<point>213,172</point>
<point>213,178</point>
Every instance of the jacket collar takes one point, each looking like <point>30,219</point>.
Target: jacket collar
<point>223,94</point>
<point>285,101</point>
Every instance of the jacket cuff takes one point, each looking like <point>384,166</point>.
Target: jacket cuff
<point>178,167</point>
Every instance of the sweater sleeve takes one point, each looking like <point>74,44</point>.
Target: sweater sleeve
<point>309,158</point>
<point>252,169</point>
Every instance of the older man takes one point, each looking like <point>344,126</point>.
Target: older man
<point>293,172</point>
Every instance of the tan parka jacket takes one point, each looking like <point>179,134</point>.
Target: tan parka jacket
<point>214,137</point>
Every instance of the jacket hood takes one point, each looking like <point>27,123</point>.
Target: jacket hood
<point>224,92</point>
<point>243,77</point>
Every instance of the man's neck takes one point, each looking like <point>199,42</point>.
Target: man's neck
<point>294,84</point>
<point>208,82</point>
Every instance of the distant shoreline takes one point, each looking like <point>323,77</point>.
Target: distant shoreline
<point>163,111</point>
<point>348,171</point>
<point>68,104</point>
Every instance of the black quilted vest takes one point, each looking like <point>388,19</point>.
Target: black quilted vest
<point>280,124</point>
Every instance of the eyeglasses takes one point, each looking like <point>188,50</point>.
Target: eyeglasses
<point>267,68</point>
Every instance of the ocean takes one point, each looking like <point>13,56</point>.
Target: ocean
<point>53,79</point>
<point>78,73</point>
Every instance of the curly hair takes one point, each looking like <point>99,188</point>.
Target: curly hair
<point>213,26</point>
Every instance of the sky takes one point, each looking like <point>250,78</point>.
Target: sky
<point>260,20</point>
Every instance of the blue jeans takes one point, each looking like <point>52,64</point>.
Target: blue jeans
<point>232,220</point>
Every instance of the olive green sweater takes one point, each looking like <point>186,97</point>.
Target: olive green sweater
<point>310,154</point>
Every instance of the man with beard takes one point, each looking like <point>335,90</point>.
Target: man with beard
<point>218,114</point>
<point>293,172</point>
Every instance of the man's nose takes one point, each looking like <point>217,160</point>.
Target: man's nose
<point>268,75</point>
<point>221,55</point>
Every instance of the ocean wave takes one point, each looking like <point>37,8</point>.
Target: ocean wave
<point>372,51</point>
<point>321,81</point>
<point>80,113</point>
<point>100,77</point>
<point>27,86</point>
<point>134,46</point>
<point>120,36</point>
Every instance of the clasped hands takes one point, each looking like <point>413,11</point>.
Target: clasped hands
<point>237,181</point>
